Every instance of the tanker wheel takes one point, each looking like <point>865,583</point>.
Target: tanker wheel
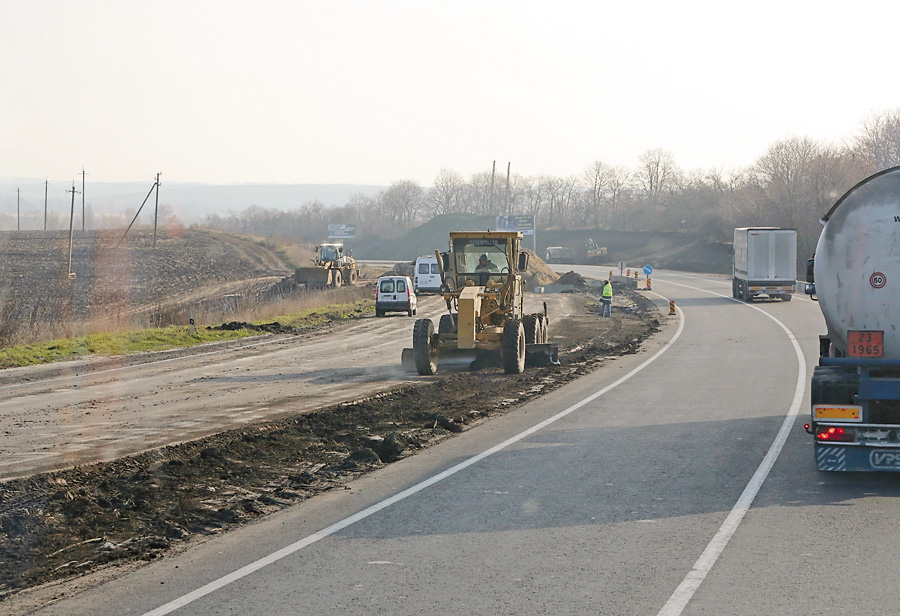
<point>513,347</point>
<point>336,278</point>
<point>424,351</point>
<point>446,324</point>
<point>532,329</point>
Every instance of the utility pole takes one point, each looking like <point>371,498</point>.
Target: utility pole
<point>82,197</point>
<point>156,213</point>
<point>508,212</point>
<point>46,185</point>
<point>18,211</point>
<point>71,223</point>
<point>493,173</point>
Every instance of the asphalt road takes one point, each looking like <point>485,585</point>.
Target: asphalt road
<point>675,481</point>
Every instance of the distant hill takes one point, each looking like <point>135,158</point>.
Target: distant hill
<point>674,250</point>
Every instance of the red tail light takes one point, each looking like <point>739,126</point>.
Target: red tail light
<point>835,434</point>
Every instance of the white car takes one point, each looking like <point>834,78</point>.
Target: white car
<point>395,294</point>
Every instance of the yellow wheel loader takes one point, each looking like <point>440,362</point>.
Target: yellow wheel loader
<point>485,320</point>
<point>330,268</point>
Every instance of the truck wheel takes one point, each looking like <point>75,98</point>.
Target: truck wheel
<point>532,329</point>
<point>336,278</point>
<point>424,351</point>
<point>786,297</point>
<point>513,347</point>
<point>446,324</point>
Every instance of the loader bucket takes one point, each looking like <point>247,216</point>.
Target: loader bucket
<point>541,355</point>
<point>312,276</point>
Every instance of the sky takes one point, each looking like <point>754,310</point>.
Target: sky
<point>377,91</point>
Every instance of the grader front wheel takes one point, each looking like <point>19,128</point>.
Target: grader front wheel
<point>513,347</point>
<point>424,351</point>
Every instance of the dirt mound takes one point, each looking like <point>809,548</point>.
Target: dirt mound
<point>573,279</point>
<point>538,273</point>
<point>270,328</point>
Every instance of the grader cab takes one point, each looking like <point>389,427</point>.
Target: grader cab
<point>485,319</point>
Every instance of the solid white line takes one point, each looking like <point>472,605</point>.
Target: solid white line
<point>685,591</point>
<point>302,543</point>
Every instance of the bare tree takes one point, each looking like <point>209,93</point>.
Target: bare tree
<point>657,173</point>
<point>878,143</point>
<point>446,196</point>
<point>402,203</point>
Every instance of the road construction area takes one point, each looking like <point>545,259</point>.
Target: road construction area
<point>125,458</point>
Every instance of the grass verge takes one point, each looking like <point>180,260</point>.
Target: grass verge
<point>170,337</point>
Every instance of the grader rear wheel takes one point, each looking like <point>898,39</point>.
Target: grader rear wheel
<point>424,351</point>
<point>513,347</point>
<point>542,326</point>
<point>532,329</point>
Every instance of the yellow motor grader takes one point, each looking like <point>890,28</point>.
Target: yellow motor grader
<point>330,268</point>
<point>484,292</point>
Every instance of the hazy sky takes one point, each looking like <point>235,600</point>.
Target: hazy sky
<point>375,91</point>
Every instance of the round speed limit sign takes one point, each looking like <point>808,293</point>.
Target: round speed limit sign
<point>877,280</point>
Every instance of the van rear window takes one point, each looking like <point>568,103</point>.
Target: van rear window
<point>423,267</point>
<point>387,286</point>
<point>434,269</point>
<point>401,286</point>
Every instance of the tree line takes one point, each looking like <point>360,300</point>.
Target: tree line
<point>792,184</point>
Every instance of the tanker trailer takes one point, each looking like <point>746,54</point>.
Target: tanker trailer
<point>855,275</point>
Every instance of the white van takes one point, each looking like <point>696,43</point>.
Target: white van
<point>394,294</point>
<point>427,275</point>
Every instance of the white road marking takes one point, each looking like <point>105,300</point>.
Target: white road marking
<point>685,591</point>
<point>311,539</point>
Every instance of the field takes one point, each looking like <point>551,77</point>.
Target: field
<point>132,284</point>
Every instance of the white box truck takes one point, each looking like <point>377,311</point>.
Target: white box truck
<point>765,263</point>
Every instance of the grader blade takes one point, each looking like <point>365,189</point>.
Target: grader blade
<point>541,355</point>
<point>447,358</point>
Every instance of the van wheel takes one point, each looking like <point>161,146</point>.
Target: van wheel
<point>379,313</point>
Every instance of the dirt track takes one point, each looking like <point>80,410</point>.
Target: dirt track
<point>274,450</point>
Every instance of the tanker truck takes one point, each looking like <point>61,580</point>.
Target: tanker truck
<point>855,276</point>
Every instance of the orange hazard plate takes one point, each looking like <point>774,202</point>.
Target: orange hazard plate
<point>865,344</point>
<point>835,411</point>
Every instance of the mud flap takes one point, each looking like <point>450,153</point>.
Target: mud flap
<point>541,355</point>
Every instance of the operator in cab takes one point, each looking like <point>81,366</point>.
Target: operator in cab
<point>485,264</point>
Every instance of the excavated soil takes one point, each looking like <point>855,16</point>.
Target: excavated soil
<point>139,508</point>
